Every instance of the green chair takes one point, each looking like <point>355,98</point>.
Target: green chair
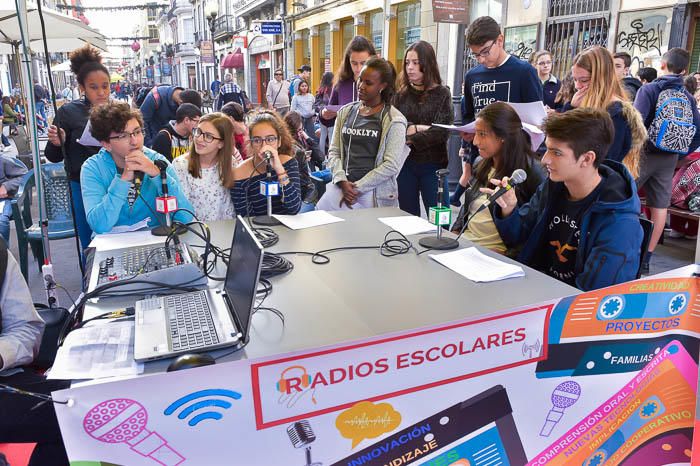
<point>58,212</point>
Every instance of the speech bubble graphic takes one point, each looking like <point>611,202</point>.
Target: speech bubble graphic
<point>365,420</point>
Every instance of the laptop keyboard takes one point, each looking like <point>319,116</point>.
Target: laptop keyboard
<point>191,323</point>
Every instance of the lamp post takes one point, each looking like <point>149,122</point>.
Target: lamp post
<point>211,11</point>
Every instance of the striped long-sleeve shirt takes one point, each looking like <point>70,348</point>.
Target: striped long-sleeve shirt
<point>246,194</point>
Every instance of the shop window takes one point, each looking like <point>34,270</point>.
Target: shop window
<point>644,35</point>
<point>408,15</point>
<point>376,31</point>
<point>521,41</point>
<point>348,31</point>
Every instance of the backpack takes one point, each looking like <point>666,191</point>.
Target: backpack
<point>143,93</point>
<point>686,182</point>
<point>672,128</point>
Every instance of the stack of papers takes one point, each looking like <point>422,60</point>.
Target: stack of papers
<point>314,218</point>
<point>104,350</point>
<point>478,267</point>
<point>408,224</point>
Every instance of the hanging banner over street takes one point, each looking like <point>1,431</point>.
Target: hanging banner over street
<point>604,377</point>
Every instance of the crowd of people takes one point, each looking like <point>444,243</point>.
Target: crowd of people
<point>369,132</point>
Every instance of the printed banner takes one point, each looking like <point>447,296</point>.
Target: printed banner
<point>602,378</point>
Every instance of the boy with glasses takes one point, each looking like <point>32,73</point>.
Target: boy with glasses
<point>278,93</point>
<point>121,182</point>
<point>498,77</point>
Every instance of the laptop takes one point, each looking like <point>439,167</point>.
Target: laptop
<point>204,320</point>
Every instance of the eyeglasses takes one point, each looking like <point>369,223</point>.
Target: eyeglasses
<point>483,53</point>
<point>279,74</point>
<point>208,137</point>
<point>137,133</point>
<point>256,141</point>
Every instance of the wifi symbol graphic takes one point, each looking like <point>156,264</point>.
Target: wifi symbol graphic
<point>205,402</point>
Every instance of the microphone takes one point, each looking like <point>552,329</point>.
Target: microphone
<point>268,155</point>
<point>138,179</point>
<point>268,188</point>
<point>301,435</point>
<point>163,166</point>
<point>518,176</point>
<point>565,395</point>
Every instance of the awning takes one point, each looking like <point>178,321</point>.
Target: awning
<point>233,60</point>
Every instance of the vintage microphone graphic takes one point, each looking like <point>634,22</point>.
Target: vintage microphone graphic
<point>301,435</point>
<point>565,395</point>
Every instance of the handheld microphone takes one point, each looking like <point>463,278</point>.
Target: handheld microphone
<point>268,188</point>
<point>518,176</point>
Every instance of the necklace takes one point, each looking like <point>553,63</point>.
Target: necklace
<point>367,110</point>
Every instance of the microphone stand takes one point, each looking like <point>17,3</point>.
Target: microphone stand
<point>271,189</point>
<point>440,216</point>
<point>165,230</point>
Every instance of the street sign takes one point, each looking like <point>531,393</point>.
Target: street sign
<point>268,27</point>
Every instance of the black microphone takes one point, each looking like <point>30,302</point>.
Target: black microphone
<point>163,166</point>
<point>138,179</point>
<point>518,176</point>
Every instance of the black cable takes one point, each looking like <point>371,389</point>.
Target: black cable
<point>274,264</point>
<point>389,248</point>
<point>267,236</point>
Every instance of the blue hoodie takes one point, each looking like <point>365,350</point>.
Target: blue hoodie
<point>105,194</point>
<point>646,100</point>
<point>157,118</point>
<point>611,235</point>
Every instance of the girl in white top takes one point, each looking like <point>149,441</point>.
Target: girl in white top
<point>206,172</point>
<point>303,104</point>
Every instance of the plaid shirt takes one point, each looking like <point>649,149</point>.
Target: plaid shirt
<point>230,88</point>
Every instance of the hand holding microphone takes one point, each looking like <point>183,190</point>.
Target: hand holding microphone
<point>504,196</point>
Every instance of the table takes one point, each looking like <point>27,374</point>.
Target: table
<point>361,294</point>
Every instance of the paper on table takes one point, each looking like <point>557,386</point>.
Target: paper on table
<point>104,350</point>
<point>476,266</point>
<point>87,139</point>
<point>307,220</point>
<point>126,228</point>
<point>123,240</point>
<point>408,224</point>
<point>536,134</point>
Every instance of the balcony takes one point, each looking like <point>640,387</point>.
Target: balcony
<point>223,27</point>
<point>184,48</point>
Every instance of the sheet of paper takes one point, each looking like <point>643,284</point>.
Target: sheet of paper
<point>478,267</point>
<point>314,218</point>
<point>536,134</point>
<point>532,113</point>
<point>122,240</point>
<point>97,351</point>
<point>126,228</point>
<point>87,139</point>
<point>408,224</point>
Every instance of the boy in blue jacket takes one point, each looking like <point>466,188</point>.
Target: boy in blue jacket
<point>582,225</point>
<point>108,179</point>
<point>160,105</point>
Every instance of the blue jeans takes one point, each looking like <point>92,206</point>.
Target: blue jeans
<point>41,108</point>
<point>5,218</point>
<point>310,127</point>
<point>306,207</point>
<point>5,141</point>
<point>419,179</point>
<point>84,230</point>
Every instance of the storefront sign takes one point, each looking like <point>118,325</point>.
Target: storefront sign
<point>206,48</point>
<point>451,11</point>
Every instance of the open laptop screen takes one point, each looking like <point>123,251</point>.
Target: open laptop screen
<point>242,274</point>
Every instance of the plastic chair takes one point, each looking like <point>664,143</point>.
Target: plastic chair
<point>647,228</point>
<point>58,212</point>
